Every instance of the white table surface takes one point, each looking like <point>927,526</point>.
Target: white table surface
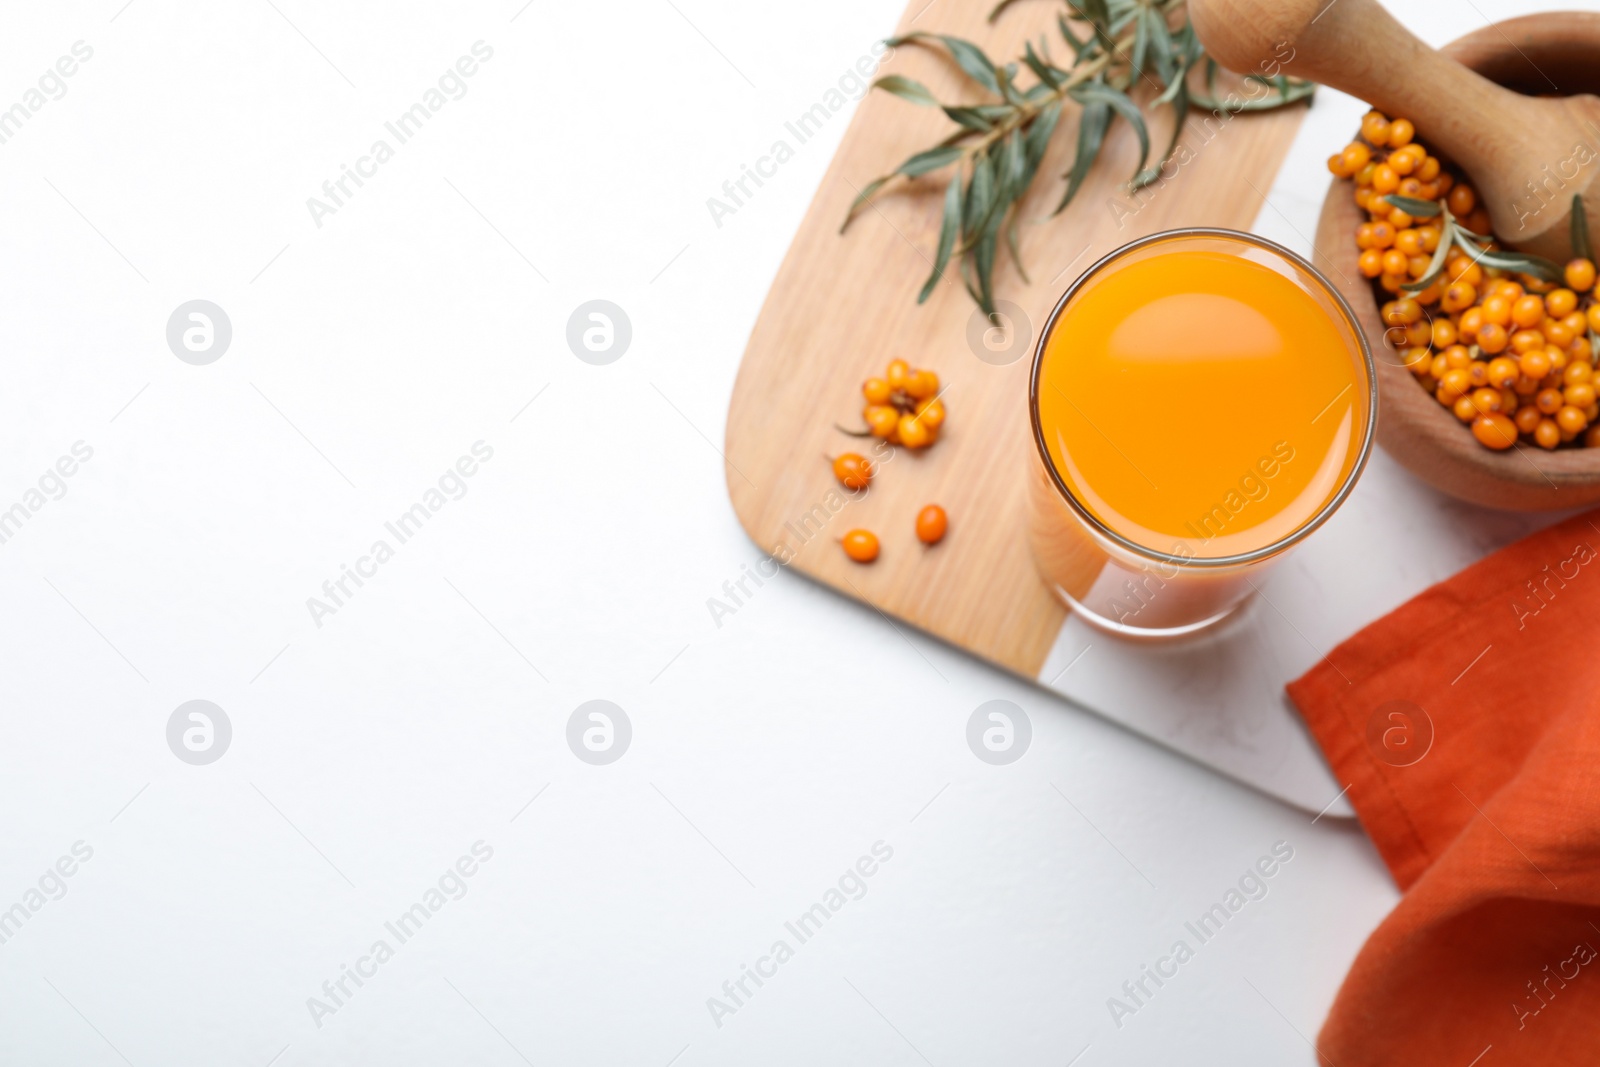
<point>368,754</point>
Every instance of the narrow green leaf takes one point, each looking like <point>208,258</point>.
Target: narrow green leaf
<point>1078,47</point>
<point>983,267</point>
<point>1515,262</point>
<point>1580,230</point>
<point>1180,114</point>
<point>980,198</point>
<point>1437,263</point>
<point>931,159</point>
<point>862,197</point>
<point>1422,209</point>
<point>1099,92</point>
<point>1092,123</point>
<point>949,231</point>
<point>1046,73</point>
<point>968,56</point>
<point>1039,134</point>
<point>969,117</point>
<point>906,89</point>
<point>995,12</point>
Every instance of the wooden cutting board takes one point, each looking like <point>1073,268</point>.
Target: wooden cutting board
<point>841,307</point>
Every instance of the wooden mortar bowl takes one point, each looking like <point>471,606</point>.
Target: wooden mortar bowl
<point>1413,427</point>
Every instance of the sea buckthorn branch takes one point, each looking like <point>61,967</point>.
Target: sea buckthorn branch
<point>997,147</point>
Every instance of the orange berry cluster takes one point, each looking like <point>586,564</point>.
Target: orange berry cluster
<point>1509,354</point>
<point>903,407</point>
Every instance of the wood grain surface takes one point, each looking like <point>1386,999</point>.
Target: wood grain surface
<point>841,307</point>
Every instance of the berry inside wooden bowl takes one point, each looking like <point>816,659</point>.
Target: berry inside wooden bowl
<point>1538,55</point>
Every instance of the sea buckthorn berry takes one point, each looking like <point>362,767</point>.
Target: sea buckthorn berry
<point>914,433</point>
<point>1439,365</point>
<point>1467,270</point>
<point>1527,311</point>
<point>1580,274</point>
<point>1355,156</point>
<point>1417,266</point>
<point>1409,242</point>
<point>1458,297</point>
<point>1593,316</point>
<point>1507,288</point>
<point>1497,309</point>
<point>1375,127</point>
<point>1402,163</point>
<point>1392,282</point>
<point>1495,430</point>
<point>1419,333</point>
<point>931,524</point>
<point>1447,181</point>
<point>1464,410</point>
<point>1503,371</point>
<point>1400,133</point>
<point>1526,386</point>
<point>1336,165</point>
<point>1485,400</point>
<point>876,390</point>
<point>1558,359</point>
<point>1457,356</point>
<point>1478,221</point>
<point>1364,235</point>
<point>1417,361</point>
<point>1579,394</point>
<point>1383,235</point>
<point>1577,373</point>
<point>1454,383</point>
<point>1559,303</point>
<point>1526,341</point>
<point>1363,198</point>
<point>1400,220</point>
<point>1411,187</point>
<point>1363,177</point>
<point>1478,373</point>
<point>899,373</point>
<point>1492,338</point>
<point>1575,321</point>
<point>1534,365</point>
<point>853,470</point>
<point>1461,200</point>
<point>1444,333</point>
<point>922,384</point>
<point>1429,190</point>
<point>1408,310</point>
<point>1371,263</point>
<point>1571,421</point>
<point>1429,236</point>
<point>930,412</point>
<point>1430,296</point>
<point>1385,179</point>
<point>1527,418</point>
<point>1556,332</point>
<point>1547,434</point>
<point>1509,401</point>
<point>1471,319</point>
<point>881,419</point>
<point>1549,401</point>
<point>1428,169</point>
<point>861,545</point>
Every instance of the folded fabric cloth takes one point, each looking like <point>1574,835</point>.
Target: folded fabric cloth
<point>1467,726</point>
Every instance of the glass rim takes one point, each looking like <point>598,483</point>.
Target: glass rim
<point>1298,533</point>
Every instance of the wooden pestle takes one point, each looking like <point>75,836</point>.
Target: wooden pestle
<point>1527,156</point>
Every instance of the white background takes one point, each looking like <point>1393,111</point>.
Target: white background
<point>368,754</point>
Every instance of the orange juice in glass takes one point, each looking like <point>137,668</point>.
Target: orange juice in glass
<point>1201,401</point>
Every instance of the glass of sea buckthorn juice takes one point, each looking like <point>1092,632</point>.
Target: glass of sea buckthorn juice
<point>1202,400</point>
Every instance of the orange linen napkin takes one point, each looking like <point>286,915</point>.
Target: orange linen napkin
<point>1467,726</point>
